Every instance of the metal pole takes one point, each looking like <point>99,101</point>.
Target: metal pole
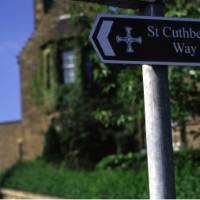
<point>158,123</point>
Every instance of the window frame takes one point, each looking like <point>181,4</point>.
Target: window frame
<point>68,66</point>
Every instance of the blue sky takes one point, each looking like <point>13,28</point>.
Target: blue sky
<point>16,24</point>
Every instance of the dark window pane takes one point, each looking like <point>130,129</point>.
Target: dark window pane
<point>88,66</point>
<point>48,70</point>
<point>47,5</point>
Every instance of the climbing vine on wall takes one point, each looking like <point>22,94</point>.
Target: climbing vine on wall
<point>105,115</point>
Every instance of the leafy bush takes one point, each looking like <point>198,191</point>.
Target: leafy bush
<point>75,135</point>
<point>189,157</point>
<point>91,124</point>
<point>52,148</point>
<point>41,177</point>
<point>102,112</point>
<point>123,161</point>
<point>138,160</point>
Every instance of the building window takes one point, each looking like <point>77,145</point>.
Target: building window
<point>48,70</point>
<point>68,59</point>
<point>87,66</point>
<point>47,5</point>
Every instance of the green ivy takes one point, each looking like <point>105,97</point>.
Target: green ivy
<point>106,114</point>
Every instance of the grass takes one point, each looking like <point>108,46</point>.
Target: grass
<point>41,177</point>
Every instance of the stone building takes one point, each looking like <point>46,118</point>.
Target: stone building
<point>24,140</point>
<point>46,47</point>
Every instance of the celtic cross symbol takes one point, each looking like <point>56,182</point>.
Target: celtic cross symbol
<point>129,40</point>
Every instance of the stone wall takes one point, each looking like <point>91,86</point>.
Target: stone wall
<point>192,142</point>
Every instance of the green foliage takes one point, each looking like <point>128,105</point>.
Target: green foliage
<point>94,121</point>
<point>183,81</point>
<point>80,137</point>
<point>187,174</point>
<point>52,146</point>
<point>192,157</point>
<point>41,177</point>
<point>123,161</point>
<point>184,92</point>
<point>184,96</point>
<point>105,115</point>
<point>183,8</point>
<point>45,80</point>
<point>38,84</point>
<point>138,160</point>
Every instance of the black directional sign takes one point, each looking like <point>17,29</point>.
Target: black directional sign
<point>120,39</point>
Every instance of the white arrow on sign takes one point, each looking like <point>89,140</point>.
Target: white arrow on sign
<point>102,38</point>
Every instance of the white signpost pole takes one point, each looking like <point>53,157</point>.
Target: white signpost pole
<point>158,124</point>
<point>156,95</point>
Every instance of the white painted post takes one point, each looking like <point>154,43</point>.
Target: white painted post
<point>158,124</point>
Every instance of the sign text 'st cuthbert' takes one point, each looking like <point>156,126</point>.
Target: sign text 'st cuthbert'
<point>120,39</point>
